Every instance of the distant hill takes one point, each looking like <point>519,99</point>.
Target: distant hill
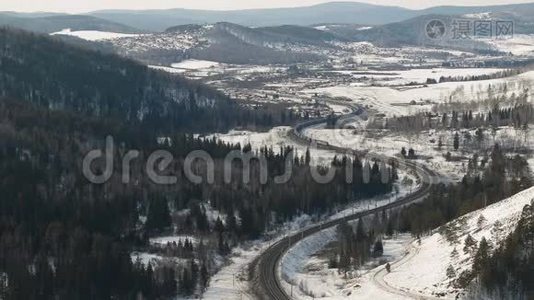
<point>411,32</point>
<point>326,13</point>
<point>133,21</point>
<point>228,43</point>
<point>48,23</point>
<point>524,10</point>
<point>333,12</point>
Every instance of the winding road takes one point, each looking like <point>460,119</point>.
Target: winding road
<point>267,283</point>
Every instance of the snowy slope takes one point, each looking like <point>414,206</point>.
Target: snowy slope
<point>392,101</point>
<point>418,271</point>
<point>425,271</point>
<point>520,44</point>
<point>93,35</point>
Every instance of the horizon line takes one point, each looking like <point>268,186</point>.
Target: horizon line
<point>85,12</point>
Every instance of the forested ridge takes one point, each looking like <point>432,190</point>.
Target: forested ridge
<point>59,76</point>
<point>62,237</point>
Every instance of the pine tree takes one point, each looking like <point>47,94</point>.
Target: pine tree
<point>481,221</point>
<point>158,216</point>
<point>451,273</point>
<point>482,256</point>
<point>469,244</point>
<point>204,276</point>
<point>378,249</point>
<point>456,142</point>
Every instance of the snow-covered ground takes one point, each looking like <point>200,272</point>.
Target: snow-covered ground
<point>420,76</point>
<point>154,259</point>
<point>392,101</point>
<point>419,270</point>
<point>276,138</point>
<point>307,276</point>
<point>164,240</point>
<point>388,143</point>
<point>194,64</point>
<point>426,271</point>
<point>94,35</point>
<point>231,282</point>
<point>519,44</point>
<point>168,69</point>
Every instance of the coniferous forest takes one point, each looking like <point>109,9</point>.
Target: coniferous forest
<point>62,237</point>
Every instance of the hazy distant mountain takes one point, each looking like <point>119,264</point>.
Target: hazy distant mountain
<point>525,10</point>
<point>48,23</point>
<point>327,13</point>
<point>333,12</point>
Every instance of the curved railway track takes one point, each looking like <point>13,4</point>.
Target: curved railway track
<point>265,266</point>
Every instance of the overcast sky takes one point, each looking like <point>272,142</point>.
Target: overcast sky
<point>76,6</point>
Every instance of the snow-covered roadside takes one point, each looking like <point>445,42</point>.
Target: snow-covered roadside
<point>426,271</point>
<point>420,268</point>
<point>277,138</point>
<point>231,281</point>
<point>307,276</point>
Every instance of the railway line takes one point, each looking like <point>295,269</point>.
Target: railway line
<point>265,267</point>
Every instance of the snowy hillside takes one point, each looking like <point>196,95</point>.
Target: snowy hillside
<point>433,265</point>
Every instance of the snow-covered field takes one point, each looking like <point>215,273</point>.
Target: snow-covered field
<point>391,144</point>
<point>391,101</point>
<point>276,138</point>
<point>194,64</point>
<point>94,35</point>
<point>519,44</point>
<point>426,271</point>
<point>420,76</point>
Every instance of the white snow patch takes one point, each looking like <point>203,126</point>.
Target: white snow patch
<point>93,35</point>
<point>164,240</point>
<point>194,64</point>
